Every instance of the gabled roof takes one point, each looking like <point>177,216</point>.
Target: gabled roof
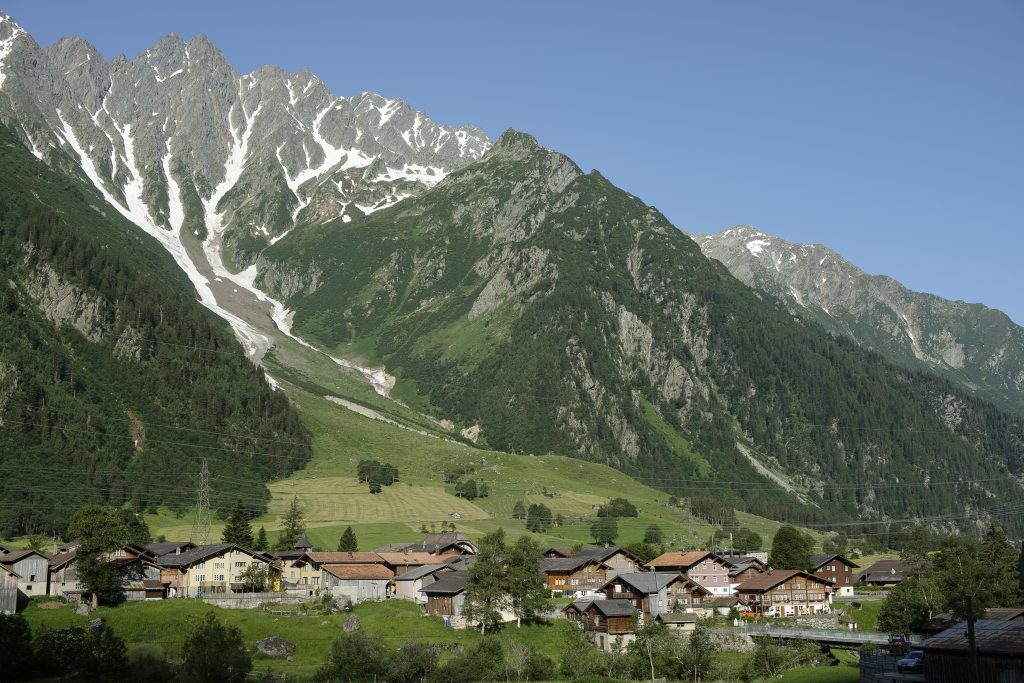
<point>164,547</point>
<point>346,558</point>
<point>420,572</point>
<point>412,557</point>
<point>567,564</point>
<point>19,555</point>
<point>612,608</point>
<point>433,543</point>
<point>677,618</point>
<point>204,552</point>
<point>992,638</point>
<point>357,572</point>
<point>7,570</point>
<point>883,571</point>
<point>768,580</point>
<point>651,582</point>
<point>564,551</point>
<point>818,561</point>
<point>685,560</point>
<point>449,583</point>
<point>603,554</point>
<point>4,549</point>
<point>60,560</point>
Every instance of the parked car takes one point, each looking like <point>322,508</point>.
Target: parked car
<point>898,644</point>
<point>914,661</point>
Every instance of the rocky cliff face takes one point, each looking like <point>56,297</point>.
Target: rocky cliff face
<point>976,347</point>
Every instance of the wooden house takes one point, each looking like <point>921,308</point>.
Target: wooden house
<point>446,595</point>
<point>1000,653</point>
<point>32,569</point>
<point>358,582</point>
<point>409,585</point>
<point>654,593</point>
<point>569,575</point>
<point>786,593</point>
<point>704,568</point>
<point>161,548</point>
<point>8,591</point>
<point>213,568</point>
<point>838,570</point>
<point>609,624</point>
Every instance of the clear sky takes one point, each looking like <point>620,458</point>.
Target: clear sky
<point>891,131</point>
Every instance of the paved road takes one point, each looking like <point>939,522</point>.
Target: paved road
<point>829,636</point>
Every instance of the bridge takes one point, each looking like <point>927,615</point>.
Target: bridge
<point>832,638</point>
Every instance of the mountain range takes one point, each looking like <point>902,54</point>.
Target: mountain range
<point>976,347</point>
<point>497,288</point>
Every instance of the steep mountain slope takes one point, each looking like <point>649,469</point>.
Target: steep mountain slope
<point>974,346</point>
<point>546,310</point>
<point>114,382</point>
<point>214,164</point>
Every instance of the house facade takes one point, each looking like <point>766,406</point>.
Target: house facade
<point>409,586</point>
<point>8,591</point>
<point>356,583</point>
<point>654,593</point>
<point>446,596</point>
<point>32,569</point>
<point>300,574</point>
<point>786,593</point>
<point>214,568</point>
<point>567,575</point>
<point>609,624</point>
<point>704,568</point>
<point>838,570</point>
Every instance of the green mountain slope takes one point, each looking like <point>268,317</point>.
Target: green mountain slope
<point>114,382</point>
<point>975,347</point>
<point>554,312</point>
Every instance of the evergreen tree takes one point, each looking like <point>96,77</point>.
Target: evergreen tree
<point>238,530</point>
<point>790,550</point>
<point>293,525</point>
<point>348,543</point>
<point>519,510</point>
<point>538,518</point>
<point>138,530</point>
<point>261,540</point>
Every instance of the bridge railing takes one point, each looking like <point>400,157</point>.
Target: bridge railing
<point>823,635</point>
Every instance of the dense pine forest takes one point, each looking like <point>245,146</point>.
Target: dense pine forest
<point>115,383</point>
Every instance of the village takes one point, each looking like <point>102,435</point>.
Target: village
<point>607,591</point>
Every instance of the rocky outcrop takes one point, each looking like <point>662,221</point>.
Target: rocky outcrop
<point>64,303</point>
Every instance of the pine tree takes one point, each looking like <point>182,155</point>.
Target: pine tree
<point>348,542</point>
<point>293,525</point>
<point>261,540</point>
<point>238,529</point>
<point>519,510</point>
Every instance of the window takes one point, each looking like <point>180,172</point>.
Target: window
<point>315,580</point>
<point>218,565</point>
<point>218,577</point>
<point>78,586</point>
<point>32,577</point>
<point>305,580</point>
<point>240,564</point>
<point>200,565</point>
<point>201,578</point>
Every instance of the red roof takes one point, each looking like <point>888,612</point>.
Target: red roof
<point>345,558</point>
<point>359,571</point>
<point>768,580</point>
<point>680,559</point>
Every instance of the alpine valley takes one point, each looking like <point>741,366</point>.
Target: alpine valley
<point>486,292</point>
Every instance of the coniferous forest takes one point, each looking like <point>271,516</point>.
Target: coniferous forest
<point>124,408</point>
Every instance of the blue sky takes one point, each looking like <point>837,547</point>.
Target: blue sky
<point>889,131</point>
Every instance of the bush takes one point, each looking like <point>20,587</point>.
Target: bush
<point>617,507</point>
<point>214,652</point>
<point>354,657</point>
<point>538,518</point>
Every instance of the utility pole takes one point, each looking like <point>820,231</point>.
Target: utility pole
<point>201,524</point>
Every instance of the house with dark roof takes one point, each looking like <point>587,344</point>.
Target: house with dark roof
<point>569,575</point>
<point>447,543</point>
<point>943,620</point>
<point>743,569</point>
<point>609,624</point>
<point>8,590</point>
<point>169,547</point>
<point>213,568</point>
<point>654,593</point>
<point>32,569</point>
<point>357,582</point>
<point>786,593</point>
<point>679,621</point>
<point>446,595</point>
<point>703,567</point>
<point>300,573</point>
<point>885,572</point>
<point>999,653</point>
<point>409,585</point>
<point>836,569</point>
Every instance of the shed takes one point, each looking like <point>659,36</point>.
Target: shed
<point>1000,653</point>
